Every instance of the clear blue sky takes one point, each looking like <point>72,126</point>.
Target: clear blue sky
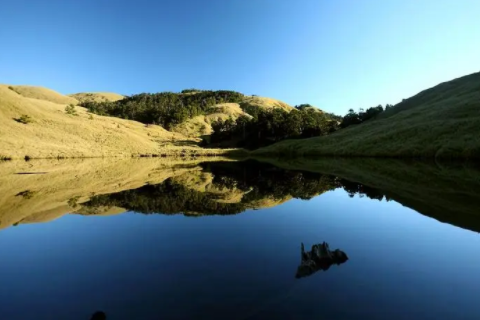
<point>334,54</point>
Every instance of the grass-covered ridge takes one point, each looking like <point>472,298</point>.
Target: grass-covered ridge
<point>442,122</point>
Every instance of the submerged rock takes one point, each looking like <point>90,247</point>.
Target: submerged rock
<point>99,315</point>
<point>320,257</point>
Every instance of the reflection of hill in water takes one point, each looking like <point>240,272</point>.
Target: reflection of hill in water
<point>221,188</point>
<point>97,187</point>
<point>68,183</point>
<point>448,192</point>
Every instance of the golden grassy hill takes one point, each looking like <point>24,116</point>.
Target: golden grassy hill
<point>96,96</point>
<point>53,133</point>
<point>443,121</point>
<point>265,103</point>
<point>314,109</point>
<point>43,94</point>
<point>202,125</point>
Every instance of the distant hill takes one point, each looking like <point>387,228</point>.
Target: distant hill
<point>264,103</point>
<point>202,125</point>
<point>443,121</point>
<point>42,93</point>
<point>96,96</point>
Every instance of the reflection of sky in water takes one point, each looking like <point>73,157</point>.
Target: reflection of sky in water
<point>402,264</point>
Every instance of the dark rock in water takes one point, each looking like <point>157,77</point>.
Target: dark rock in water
<point>319,258</point>
<point>99,315</point>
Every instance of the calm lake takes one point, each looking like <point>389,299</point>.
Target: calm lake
<point>222,240</point>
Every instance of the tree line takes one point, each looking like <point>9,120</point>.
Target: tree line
<point>362,115</point>
<point>165,108</point>
<point>259,128</point>
<point>262,127</point>
<point>266,126</point>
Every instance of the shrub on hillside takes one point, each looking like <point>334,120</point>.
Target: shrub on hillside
<point>25,119</point>
<point>70,109</point>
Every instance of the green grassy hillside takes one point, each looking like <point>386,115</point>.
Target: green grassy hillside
<point>443,121</point>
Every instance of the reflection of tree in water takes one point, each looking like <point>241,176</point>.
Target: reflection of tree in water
<point>167,198</point>
<point>356,188</point>
<point>257,181</point>
<point>264,180</point>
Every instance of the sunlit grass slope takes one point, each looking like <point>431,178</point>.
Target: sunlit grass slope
<point>41,93</point>
<point>53,133</point>
<point>202,125</point>
<point>266,103</point>
<point>96,96</point>
<point>443,121</point>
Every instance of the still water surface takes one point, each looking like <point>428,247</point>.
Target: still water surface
<point>402,264</point>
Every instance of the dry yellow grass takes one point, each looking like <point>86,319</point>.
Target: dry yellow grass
<point>96,96</point>
<point>267,103</point>
<point>202,125</point>
<point>42,94</point>
<point>314,109</point>
<point>53,133</point>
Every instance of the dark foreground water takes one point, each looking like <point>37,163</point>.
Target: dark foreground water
<point>402,264</point>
